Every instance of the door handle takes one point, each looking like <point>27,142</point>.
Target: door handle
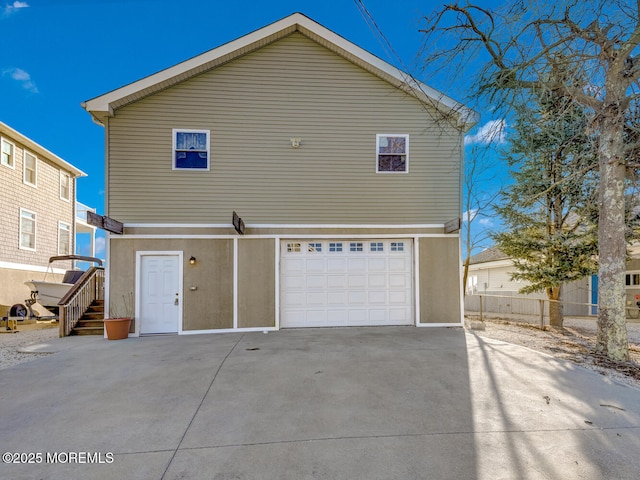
<point>176,300</point>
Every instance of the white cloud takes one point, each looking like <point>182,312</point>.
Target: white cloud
<point>22,77</point>
<point>491,132</point>
<point>99,246</point>
<point>469,215</point>
<point>486,222</point>
<point>13,7</point>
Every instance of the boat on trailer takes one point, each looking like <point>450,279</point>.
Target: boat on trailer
<point>48,293</point>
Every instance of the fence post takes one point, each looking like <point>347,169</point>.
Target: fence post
<point>542,314</point>
<point>481,308</point>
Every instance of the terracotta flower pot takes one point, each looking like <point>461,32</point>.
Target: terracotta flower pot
<point>117,328</point>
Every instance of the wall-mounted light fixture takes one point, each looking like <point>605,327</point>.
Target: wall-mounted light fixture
<point>295,142</point>
<point>192,261</point>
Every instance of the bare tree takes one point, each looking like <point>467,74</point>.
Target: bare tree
<point>479,170</point>
<point>517,48</point>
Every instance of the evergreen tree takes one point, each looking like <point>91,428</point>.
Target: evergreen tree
<point>548,211</point>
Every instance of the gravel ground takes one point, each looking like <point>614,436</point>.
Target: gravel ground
<point>26,334</point>
<point>575,343</point>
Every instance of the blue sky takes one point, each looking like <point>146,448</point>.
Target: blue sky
<point>59,53</point>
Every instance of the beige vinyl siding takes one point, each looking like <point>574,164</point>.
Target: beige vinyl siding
<point>253,106</point>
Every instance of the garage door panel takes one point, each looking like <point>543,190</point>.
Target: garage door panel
<point>376,281</point>
<point>336,281</point>
<point>294,265</point>
<point>316,316</point>
<point>357,298</point>
<point>346,283</point>
<point>316,265</point>
<point>336,299</point>
<point>377,265</point>
<point>313,281</point>
<point>398,316</point>
<point>398,298</point>
<point>358,316</point>
<point>293,282</point>
<point>357,265</point>
<point>294,299</point>
<point>316,299</point>
<point>398,264</point>
<point>356,281</point>
<point>377,298</point>
<point>337,265</point>
<point>399,281</point>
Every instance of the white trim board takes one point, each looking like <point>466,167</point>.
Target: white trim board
<point>291,236</point>
<point>282,225</point>
<point>30,268</point>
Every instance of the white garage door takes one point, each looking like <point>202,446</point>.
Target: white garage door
<point>346,283</point>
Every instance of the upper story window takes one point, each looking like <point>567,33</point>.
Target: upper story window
<point>64,238</point>
<point>65,186</point>
<point>27,230</point>
<point>190,149</point>
<point>392,153</point>
<point>30,169</point>
<point>7,153</point>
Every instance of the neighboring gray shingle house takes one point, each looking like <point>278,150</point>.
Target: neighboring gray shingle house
<point>344,171</point>
<point>38,213</point>
<point>490,274</point>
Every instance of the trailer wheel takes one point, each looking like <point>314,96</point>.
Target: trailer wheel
<point>18,310</point>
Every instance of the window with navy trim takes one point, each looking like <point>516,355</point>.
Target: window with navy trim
<point>190,149</point>
<point>392,153</point>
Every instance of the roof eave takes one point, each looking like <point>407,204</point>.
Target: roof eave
<point>40,150</point>
<point>103,106</point>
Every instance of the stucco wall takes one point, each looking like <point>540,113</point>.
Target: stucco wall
<point>440,280</point>
<point>256,282</point>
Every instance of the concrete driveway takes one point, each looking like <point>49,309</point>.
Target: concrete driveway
<point>356,403</point>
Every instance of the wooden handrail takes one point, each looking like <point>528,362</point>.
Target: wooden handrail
<point>76,301</point>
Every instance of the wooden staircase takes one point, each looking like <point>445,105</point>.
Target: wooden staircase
<point>92,321</point>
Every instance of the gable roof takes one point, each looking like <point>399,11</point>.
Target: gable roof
<point>39,150</point>
<point>491,254</point>
<point>104,106</point>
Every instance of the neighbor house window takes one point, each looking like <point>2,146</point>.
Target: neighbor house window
<point>392,153</point>
<point>30,169</point>
<point>632,279</point>
<point>190,149</point>
<point>64,238</point>
<point>7,152</point>
<point>27,230</point>
<point>65,186</point>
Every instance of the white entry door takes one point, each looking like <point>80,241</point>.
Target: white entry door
<point>346,283</point>
<point>160,299</point>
